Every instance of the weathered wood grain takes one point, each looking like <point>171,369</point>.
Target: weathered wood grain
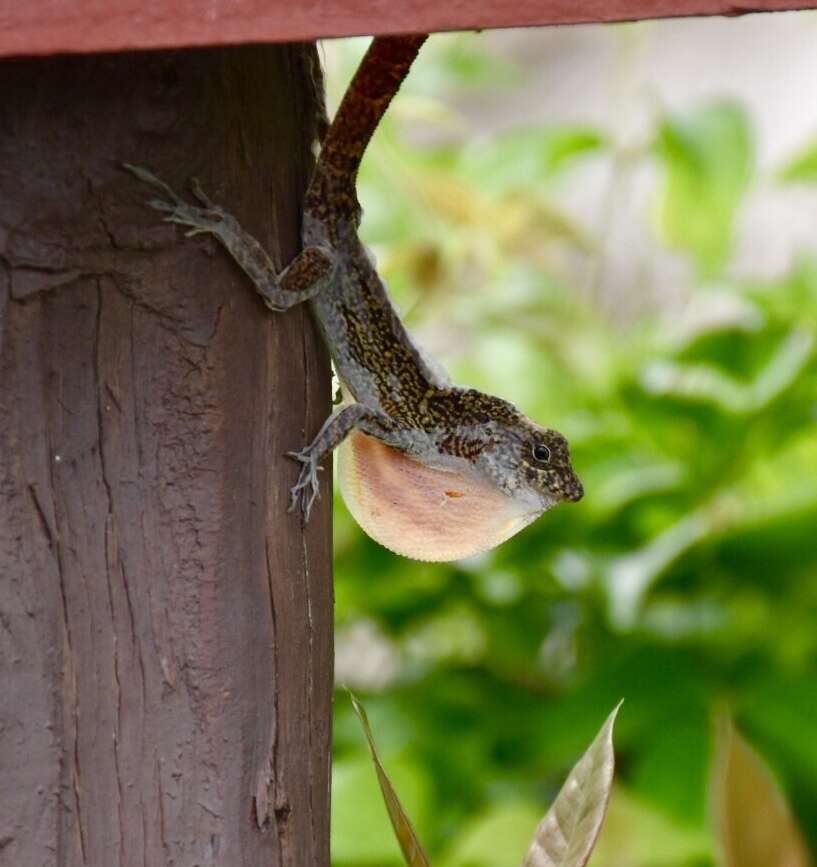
<point>165,626</point>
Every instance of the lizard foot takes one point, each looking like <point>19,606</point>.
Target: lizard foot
<point>208,218</point>
<point>307,489</point>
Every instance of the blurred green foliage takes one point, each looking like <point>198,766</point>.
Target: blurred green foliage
<point>707,160</point>
<point>686,580</point>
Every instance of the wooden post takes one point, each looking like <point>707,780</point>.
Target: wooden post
<point>165,625</point>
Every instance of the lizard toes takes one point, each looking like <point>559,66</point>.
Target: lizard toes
<point>307,489</point>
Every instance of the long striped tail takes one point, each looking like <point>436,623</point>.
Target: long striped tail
<point>379,76</point>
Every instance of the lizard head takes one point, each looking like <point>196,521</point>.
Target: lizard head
<point>530,462</point>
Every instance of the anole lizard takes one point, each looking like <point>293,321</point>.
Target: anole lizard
<point>434,471</point>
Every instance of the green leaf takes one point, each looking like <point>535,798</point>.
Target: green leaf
<point>673,768</point>
<point>467,62</point>
<point>568,833</point>
<point>570,142</point>
<point>406,836</point>
<point>361,833</point>
<point>509,161</point>
<point>496,837</point>
<point>708,158</point>
<point>707,383</point>
<point>801,167</point>
<point>637,834</point>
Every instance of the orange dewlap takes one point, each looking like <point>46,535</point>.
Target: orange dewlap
<point>422,512</point>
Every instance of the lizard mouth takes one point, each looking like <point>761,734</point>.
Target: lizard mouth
<point>422,512</point>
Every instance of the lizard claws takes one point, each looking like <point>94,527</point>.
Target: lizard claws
<point>148,177</point>
<point>203,198</point>
<point>307,489</point>
<point>197,220</point>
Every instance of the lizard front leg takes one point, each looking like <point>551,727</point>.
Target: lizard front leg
<point>335,429</point>
<point>308,274</point>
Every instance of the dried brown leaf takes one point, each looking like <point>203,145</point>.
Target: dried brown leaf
<point>755,827</point>
<point>404,831</point>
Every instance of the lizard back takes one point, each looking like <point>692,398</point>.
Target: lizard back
<point>374,355</point>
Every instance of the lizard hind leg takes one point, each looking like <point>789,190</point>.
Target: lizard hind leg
<point>311,271</point>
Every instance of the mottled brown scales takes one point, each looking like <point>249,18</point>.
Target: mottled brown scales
<point>374,345</point>
<point>398,398</point>
<point>309,268</point>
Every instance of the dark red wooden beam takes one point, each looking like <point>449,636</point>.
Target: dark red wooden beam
<point>56,26</point>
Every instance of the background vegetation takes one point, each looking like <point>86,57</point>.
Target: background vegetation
<point>686,580</point>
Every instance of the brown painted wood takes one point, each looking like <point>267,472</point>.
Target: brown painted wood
<point>49,26</point>
<point>165,625</point>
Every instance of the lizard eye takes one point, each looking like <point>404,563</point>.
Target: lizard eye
<point>541,453</point>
